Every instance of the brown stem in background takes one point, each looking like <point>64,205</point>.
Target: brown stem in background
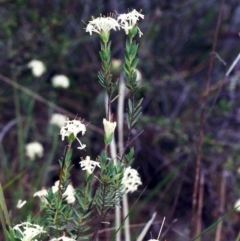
<point>200,204</point>
<point>195,211</point>
<point>221,205</point>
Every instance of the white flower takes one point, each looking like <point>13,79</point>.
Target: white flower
<point>58,119</point>
<point>37,66</point>
<point>41,194</point>
<point>131,180</point>
<point>63,238</point>
<point>60,81</point>
<point>21,203</point>
<point>69,193</point>
<point>28,231</point>
<point>102,24</point>
<point>33,150</point>
<point>237,205</point>
<point>89,165</point>
<point>129,20</point>
<point>109,127</point>
<point>73,127</point>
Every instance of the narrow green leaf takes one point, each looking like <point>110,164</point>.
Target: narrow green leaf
<point>128,121</point>
<point>136,118</point>
<point>136,112</point>
<point>125,67</point>
<point>130,105</point>
<point>128,45</point>
<point>134,63</point>
<point>139,103</point>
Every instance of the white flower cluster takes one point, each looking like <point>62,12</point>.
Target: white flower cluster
<point>28,231</point>
<point>125,21</point>
<point>129,20</point>
<point>33,150</point>
<point>89,165</point>
<point>60,81</point>
<point>131,180</point>
<point>38,68</point>
<point>69,193</point>
<point>100,24</point>
<point>58,119</point>
<point>73,127</point>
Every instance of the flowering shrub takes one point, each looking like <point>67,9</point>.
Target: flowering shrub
<point>68,212</point>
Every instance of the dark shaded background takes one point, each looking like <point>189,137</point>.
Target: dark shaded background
<point>173,59</point>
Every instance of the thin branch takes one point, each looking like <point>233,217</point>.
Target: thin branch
<point>44,101</point>
<point>201,128</point>
<point>222,204</point>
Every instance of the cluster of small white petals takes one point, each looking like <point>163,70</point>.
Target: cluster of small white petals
<point>73,127</point>
<point>21,203</point>
<point>58,119</point>
<point>63,238</point>
<point>41,194</point>
<point>131,180</point>
<point>109,127</point>
<point>33,150</point>
<point>37,67</point>
<point>100,24</point>
<point>29,231</point>
<point>60,81</point>
<point>89,165</point>
<point>129,20</point>
<point>69,193</point>
<point>237,205</point>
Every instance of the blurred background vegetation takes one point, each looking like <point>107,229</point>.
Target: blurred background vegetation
<point>174,57</point>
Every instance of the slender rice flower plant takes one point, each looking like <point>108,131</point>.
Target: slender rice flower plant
<point>102,25</point>
<point>74,214</point>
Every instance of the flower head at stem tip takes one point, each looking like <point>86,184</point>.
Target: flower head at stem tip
<point>128,22</point>
<point>102,26</point>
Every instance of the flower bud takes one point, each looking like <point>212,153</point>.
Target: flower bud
<point>109,128</point>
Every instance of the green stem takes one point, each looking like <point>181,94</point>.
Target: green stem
<point>20,134</point>
<point>47,165</point>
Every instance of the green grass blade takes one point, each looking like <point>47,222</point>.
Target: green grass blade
<point>4,217</point>
<point>213,225</point>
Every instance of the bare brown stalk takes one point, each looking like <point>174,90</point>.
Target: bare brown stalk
<point>196,214</point>
<point>200,204</point>
<point>221,205</point>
